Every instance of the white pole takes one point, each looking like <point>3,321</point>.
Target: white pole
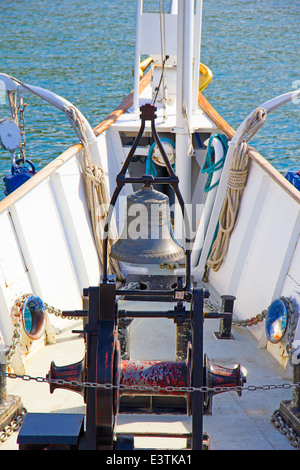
<point>174,7</point>
<point>136,81</point>
<point>210,199</point>
<point>197,52</point>
<point>188,60</point>
<point>184,104</point>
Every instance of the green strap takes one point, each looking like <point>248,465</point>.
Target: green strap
<point>150,165</point>
<point>210,166</point>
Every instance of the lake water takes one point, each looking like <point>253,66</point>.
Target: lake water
<point>84,51</point>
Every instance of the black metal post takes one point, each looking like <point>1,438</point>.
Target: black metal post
<point>296,388</point>
<point>91,330</point>
<point>226,322</point>
<point>147,114</point>
<point>197,369</point>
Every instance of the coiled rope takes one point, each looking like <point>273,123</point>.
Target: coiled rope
<point>235,186</point>
<point>96,194</point>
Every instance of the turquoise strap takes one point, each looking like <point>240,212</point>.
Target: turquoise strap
<point>210,166</point>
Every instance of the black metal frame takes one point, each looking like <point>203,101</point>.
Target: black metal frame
<point>147,114</point>
<point>103,316</point>
<point>101,364</point>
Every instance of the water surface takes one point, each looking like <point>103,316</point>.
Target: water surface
<point>84,51</point>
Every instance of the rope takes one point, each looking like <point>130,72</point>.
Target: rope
<point>96,194</point>
<point>235,186</point>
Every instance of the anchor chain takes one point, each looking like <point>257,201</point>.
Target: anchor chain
<point>293,317</point>
<point>57,312</point>
<point>251,321</point>
<point>21,109</point>
<point>14,425</point>
<point>282,427</point>
<point>276,418</point>
<point>154,388</point>
<point>17,313</point>
<point>248,322</point>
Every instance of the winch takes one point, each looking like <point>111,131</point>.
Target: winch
<point>109,381</point>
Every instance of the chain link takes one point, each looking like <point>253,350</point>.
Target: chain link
<point>293,320</point>
<point>248,322</point>
<point>17,315</point>
<point>144,388</point>
<point>14,425</point>
<point>251,321</point>
<point>276,418</point>
<point>21,109</point>
<point>57,312</point>
<point>282,427</point>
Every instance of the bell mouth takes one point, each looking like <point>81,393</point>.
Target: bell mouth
<point>147,190</point>
<point>145,256</point>
<point>147,236</point>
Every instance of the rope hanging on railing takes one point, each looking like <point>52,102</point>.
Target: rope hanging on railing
<point>235,186</point>
<point>96,194</point>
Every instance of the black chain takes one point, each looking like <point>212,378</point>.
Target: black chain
<point>155,388</point>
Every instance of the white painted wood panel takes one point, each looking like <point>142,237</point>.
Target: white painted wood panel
<point>68,190</point>
<point>150,39</point>
<point>271,242</point>
<point>294,270</point>
<point>14,278</point>
<point>44,248</point>
<point>261,246</point>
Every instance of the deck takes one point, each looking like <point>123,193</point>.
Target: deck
<point>237,423</point>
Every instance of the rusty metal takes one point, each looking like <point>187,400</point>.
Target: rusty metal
<point>141,386</point>
<point>154,373</point>
<point>4,350</point>
<point>289,410</point>
<point>218,376</point>
<point>71,373</point>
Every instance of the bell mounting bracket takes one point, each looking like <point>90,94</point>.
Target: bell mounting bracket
<point>148,113</point>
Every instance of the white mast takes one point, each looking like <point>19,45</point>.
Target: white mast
<point>197,49</point>
<point>185,36</point>
<point>136,81</point>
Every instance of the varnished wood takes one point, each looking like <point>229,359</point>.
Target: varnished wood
<point>253,154</point>
<point>215,116</point>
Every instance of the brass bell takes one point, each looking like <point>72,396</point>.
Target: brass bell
<point>147,235</point>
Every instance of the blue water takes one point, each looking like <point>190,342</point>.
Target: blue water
<point>84,51</point>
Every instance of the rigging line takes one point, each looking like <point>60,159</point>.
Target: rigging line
<point>160,80</point>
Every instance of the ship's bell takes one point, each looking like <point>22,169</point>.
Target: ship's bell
<point>147,235</point>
